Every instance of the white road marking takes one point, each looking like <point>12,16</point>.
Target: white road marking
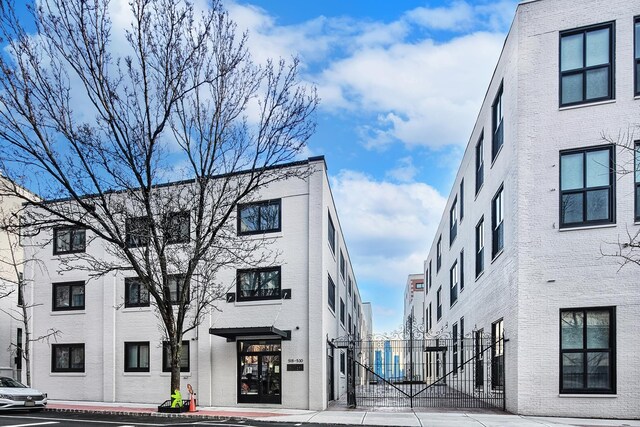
<point>34,424</point>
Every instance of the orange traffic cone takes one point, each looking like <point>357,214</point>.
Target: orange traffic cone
<point>192,404</point>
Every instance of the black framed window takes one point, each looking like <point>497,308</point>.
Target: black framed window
<point>184,357</point>
<point>68,296</point>
<point>497,354</point>
<point>69,240</point>
<point>429,276</point>
<point>331,236</point>
<point>178,227</point>
<point>497,222</point>
<point>332,294</point>
<point>461,270</point>
<point>67,357</point>
<point>454,356</point>
<point>259,284</point>
<point>260,217</point>
<point>587,350</point>
<point>135,293</point>
<point>176,285</point>
<point>461,192</point>
<point>439,254</point>
<point>342,311</point>
<point>462,344</point>
<point>137,232</point>
<point>343,266</point>
<point>350,323</point>
<point>453,283</point>
<point>453,221</point>
<point>587,186</point>
<point>480,163</point>
<point>636,43</point>
<point>497,124</point>
<point>429,317</point>
<point>136,356</point>
<point>480,247</point>
<point>343,362</point>
<point>586,64</point>
<point>637,181</point>
<point>439,303</point>
<point>350,286</point>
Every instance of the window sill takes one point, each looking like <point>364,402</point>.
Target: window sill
<point>137,374</point>
<point>496,256</point>
<point>144,309</point>
<point>182,374</point>
<point>479,275</point>
<point>587,104</point>
<point>589,227</point>
<point>597,396</point>
<point>258,236</point>
<point>68,374</point>
<point>274,301</point>
<point>65,312</point>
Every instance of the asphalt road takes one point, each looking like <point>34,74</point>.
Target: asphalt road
<point>63,419</point>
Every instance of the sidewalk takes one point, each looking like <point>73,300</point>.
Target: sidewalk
<point>357,417</point>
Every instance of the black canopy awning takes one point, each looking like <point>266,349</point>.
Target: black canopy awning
<point>231,334</point>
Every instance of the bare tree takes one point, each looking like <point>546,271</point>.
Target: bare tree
<point>94,118</point>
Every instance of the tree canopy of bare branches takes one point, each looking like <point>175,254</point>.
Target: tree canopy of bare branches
<point>95,118</point>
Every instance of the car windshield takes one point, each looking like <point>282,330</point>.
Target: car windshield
<point>9,382</point>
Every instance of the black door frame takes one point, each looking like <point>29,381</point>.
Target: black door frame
<point>258,398</point>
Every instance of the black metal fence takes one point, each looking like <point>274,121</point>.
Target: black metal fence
<point>443,371</point>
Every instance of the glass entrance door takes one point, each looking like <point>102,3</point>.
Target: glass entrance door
<point>259,375</point>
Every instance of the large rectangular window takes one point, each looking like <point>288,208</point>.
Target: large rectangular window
<point>497,125</point>
<point>176,284</point>
<point>586,64</point>
<point>137,231</point>
<point>637,181</point>
<point>135,293</point>
<point>439,254</point>
<point>178,227</point>
<point>497,223</point>
<point>636,43</point>
<point>480,163</point>
<point>497,355</point>
<point>454,356</point>
<point>343,265</point>
<point>67,357</point>
<point>429,317</point>
<point>453,283</point>
<point>259,284</point>
<point>331,236</point>
<point>453,221</point>
<point>461,269</point>
<point>68,296</point>
<point>587,350</point>
<point>184,357</point>
<point>461,199</point>
<point>439,303</point>
<point>587,187</point>
<point>332,294</point>
<point>68,240</point>
<point>480,247</point>
<point>136,356</point>
<point>342,310</point>
<point>462,344</point>
<point>259,217</point>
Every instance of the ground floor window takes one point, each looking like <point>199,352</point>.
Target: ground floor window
<point>587,350</point>
<point>497,354</point>
<point>259,375</point>
<point>184,357</point>
<point>67,358</point>
<point>136,356</point>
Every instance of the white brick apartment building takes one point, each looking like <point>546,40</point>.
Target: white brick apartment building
<point>535,204</point>
<point>255,348</point>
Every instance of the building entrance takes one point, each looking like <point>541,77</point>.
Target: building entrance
<point>259,374</point>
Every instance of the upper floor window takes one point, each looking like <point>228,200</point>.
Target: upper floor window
<point>259,217</point>
<point>67,357</point>
<point>350,287</point>
<point>586,187</point>
<point>68,296</point>
<point>637,55</point>
<point>343,266</point>
<point>136,356</point>
<point>135,293</point>
<point>259,283</point>
<point>439,303</point>
<point>586,64</point>
<point>429,276</point>
<point>184,357</point>
<point>439,254</point>
<point>342,310</point>
<point>332,294</point>
<point>497,222</point>
<point>137,231</point>
<point>453,281</point>
<point>461,199</point>
<point>480,163</point>
<point>176,285</point>
<point>67,240</point>
<point>462,269</point>
<point>178,227</point>
<point>587,353</point>
<point>331,235</point>
<point>453,221</point>
<point>497,125</point>
<point>637,180</point>
<point>480,247</point>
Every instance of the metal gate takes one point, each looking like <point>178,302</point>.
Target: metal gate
<point>425,371</point>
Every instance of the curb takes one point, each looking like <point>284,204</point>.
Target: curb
<point>148,414</point>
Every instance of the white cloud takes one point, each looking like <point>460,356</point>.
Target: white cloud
<point>405,171</point>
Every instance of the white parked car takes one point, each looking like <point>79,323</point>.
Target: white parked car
<point>14,395</point>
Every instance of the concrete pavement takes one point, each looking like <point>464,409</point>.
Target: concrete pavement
<point>434,418</point>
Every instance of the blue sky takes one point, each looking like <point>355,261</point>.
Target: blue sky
<point>401,83</point>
